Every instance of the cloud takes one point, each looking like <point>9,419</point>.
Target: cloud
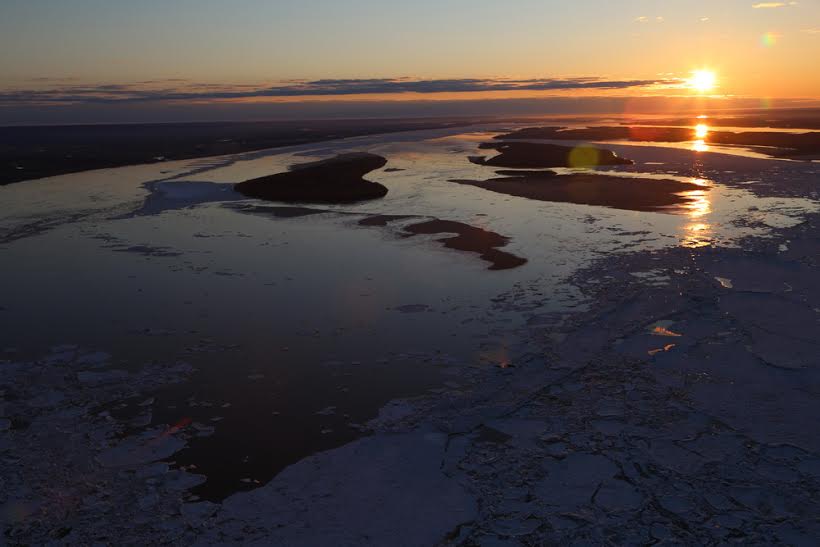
<point>772,5</point>
<point>645,19</point>
<point>54,79</point>
<point>811,31</point>
<point>151,92</point>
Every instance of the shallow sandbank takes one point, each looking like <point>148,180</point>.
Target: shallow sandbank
<point>381,220</point>
<point>466,238</point>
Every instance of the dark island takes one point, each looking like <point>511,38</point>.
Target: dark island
<point>336,180</point>
<point>471,239</point>
<point>633,194</point>
<point>537,155</point>
<point>803,146</point>
<point>467,238</point>
<point>786,118</point>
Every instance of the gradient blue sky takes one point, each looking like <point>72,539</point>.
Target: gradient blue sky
<point>60,44</point>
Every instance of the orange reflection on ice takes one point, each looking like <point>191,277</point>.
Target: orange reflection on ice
<point>663,331</point>
<point>667,347</point>
<point>498,356</point>
<point>697,233</point>
<point>698,204</point>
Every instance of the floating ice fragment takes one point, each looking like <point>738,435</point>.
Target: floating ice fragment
<point>413,308</point>
<point>153,470</point>
<point>725,282</point>
<point>667,347</point>
<point>195,514</point>
<point>661,328</point>
<point>96,358</point>
<point>177,480</point>
<point>146,448</point>
<point>96,378</point>
<point>142,420</point>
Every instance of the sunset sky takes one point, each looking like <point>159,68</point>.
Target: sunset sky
<point>102,58</point>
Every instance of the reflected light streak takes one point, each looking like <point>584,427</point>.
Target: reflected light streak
<point>697,235</point>
<point>699,204</point>
<point>698,232</point>
<point>700,146</point>
<point>701,132</point>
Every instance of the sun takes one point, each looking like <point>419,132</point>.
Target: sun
<point>702,80</point>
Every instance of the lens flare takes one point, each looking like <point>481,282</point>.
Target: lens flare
<point>583,156</point>
<point>769,39</point>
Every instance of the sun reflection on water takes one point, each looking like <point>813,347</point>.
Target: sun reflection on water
<point>701,132</point>
<point>698,232</point>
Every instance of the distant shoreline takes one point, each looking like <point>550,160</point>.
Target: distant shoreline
<point>36,152</point>
<point>31,152</point>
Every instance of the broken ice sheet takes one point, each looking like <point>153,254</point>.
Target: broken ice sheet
<point>148,447</point>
